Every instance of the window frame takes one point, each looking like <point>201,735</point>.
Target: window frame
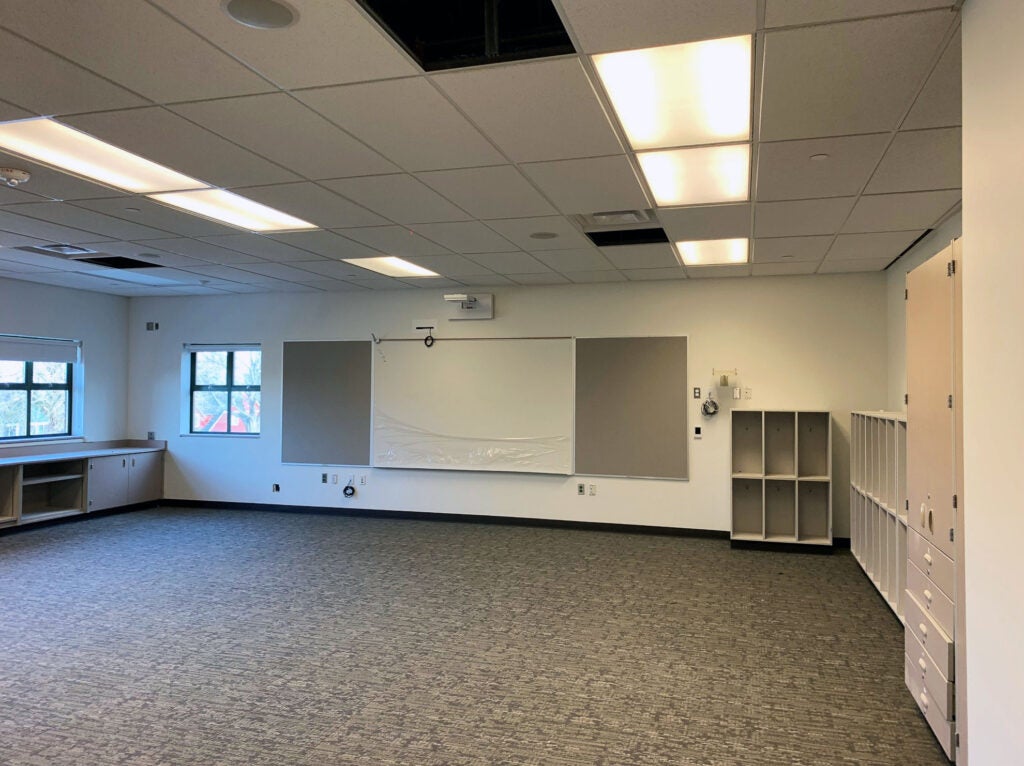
<point>29,385</point>
<point>228,389</point>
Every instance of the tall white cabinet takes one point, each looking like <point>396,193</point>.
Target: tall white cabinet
<point>878,501</point>
<point>782,476</point>
<point>935,504</point>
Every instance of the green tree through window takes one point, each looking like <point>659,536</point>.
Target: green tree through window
<point>35,399</point>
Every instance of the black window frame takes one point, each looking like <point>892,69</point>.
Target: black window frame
<point>29,386</point>
<point>228,388</point>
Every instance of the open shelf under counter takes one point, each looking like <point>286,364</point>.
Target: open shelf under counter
<point>45,514</point>
<point>48,479</point>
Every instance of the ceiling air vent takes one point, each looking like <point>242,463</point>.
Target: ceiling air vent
<point>64,251</point>
<point>450,34</point>
<point>613,228</point>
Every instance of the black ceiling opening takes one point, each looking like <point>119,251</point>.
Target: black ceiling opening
<point>449,34</point>
<point>119,262</point>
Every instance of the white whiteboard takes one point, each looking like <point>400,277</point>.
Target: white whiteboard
<point>474,405</point>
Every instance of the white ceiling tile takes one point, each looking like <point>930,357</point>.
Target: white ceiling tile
<point>589,185</point>
<point>651,275</point>
<point>278,127</point>
<point>10,111</point>
<point>485,280</point>
<point>325,243</point>
<point>612,25</point>
<point>510,263</point>
<point>107,227</point>
<point>54,184</point>
<point>784,269</point>
<point>312,203</point>
<point>155,55</point>
<point>394,240</point>
<point>786,171</point>
<point>839,79</point>
<point>226,273</point>
<point>565,261</point>
<point>9,196</point>
<point>455,266</point>
<point>277,271</point>
<point>790,249</point>
<point>919,160</point>
<point>47,262</point>
<point>205,251</point>
<point>11,239</point>
<point>407,121</point>
<point>784,13</point>
<point>704,272</point>
<point>377,282</point>
<point>162,136</point>
<point>494,192</point>
<point>519,230</point>
<point>795,219</point>
<point>51,232</point>
<point>38,80</point>
<point>592,277</point>
<point>465,237</point>
<point>850,247</point>
<point>432,282</point>
<point>900,212</point>
<point>939,103</point>
<point>661,255</point>
<point>234,287</point>
<point>331,269</point>
<point>845,267</point>
<point>149,213</point>
<point>683,224</point>
<point>540,110</point>
<point>261,246</point>
<point>148,251</point>
<point>334,286</point>
<point>331,42</point>
<point>401,198</point>
<point>9,266</point>
<point>550,278</point>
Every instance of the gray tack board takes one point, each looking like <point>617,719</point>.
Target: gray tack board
<point>325,408</point>
<point>631,407</point>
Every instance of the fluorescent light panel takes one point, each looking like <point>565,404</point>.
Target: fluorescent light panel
<point>681,95</point>
<point>390,266</point>
<point>54,144</point>
<point>700,176</point>
<point>230,208</point>
<point>713,252</point>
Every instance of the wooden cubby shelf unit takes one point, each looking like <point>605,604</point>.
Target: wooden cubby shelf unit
<point>51,490</point>
<point>782,476</point>
<point>878,501</point>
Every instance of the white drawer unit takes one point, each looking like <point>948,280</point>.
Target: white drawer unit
<point>944,729</point>
<point>933,563</point>
<point>935,602</point>
<point>928,633</point>
<point>939,688</point>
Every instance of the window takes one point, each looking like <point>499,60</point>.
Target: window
<point>224,389</point>
<point>37,387</point>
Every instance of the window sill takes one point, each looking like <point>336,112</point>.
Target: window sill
<point>220,436</point>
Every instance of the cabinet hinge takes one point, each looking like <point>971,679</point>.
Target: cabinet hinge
<point>949,401</point>
<point>958,739</point>
<point>951,534</point>
<point>906,398</point>
<point>954,501</point>
<point>951,268</point>
<point>906,505</point>
<point>906,295</point>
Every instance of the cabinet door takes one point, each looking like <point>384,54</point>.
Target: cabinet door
<point>146,477</point>
<point>108,482</point>
<point>930,387</point>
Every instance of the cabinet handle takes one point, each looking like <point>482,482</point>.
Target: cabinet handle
<point>924,629</point>
<point>133,462</point>
<point>924,514</point>
<point>124,462</point>
<point>922,664</point>
<point>924,701</point>
<point>928,559</point>
<point>928,595</point>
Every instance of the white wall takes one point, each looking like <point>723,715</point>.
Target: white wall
<point>798,342</point>
<point>993,285</point>
<point>100,322</point>
<point>896,306</point>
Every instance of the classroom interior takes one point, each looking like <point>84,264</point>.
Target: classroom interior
<point>248,610</point>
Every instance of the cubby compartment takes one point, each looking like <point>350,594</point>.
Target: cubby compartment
<point>746,443</point>
<point>813,448</point>
<point>813,503</point>
<point>747,510</point>
<point>780,444</point>
<point>8,494</point>
<point>779,510</point>
<point>889,492</point>
<point>53,489</point>
<point>901,567</point>
<point>892,553</point>
<point>901,469</point>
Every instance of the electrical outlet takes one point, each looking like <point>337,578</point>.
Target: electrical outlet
<point>748,394</point>
<point>581,489</point>
<point>593,490</point>
<point>275,487</point>
<point>362,479</point>
<point>696,392</point>
<point>736,393</point>
<point>696,432</point>
<point>151,435</point>
<point>323,478</point>
<point>334,478</point>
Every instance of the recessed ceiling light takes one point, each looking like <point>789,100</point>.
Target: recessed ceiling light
<point>681,95</point>
<point>819,157</point>
<point>390,266</point>
<point>233,209</point>
<point>712,252</point>
<point>73,151</point>
<point>698,176</point>
<point>543,235</point>
<point>260,14</point>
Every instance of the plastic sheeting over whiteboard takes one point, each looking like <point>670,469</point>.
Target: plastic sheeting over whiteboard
<point>474,405</point>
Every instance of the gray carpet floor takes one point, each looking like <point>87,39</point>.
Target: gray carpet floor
<point>177,636</point>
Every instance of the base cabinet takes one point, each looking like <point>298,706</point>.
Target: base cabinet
<point>145,477</point>
<point>117,480</point>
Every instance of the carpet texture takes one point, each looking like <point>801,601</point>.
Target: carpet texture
<point>179,637</point>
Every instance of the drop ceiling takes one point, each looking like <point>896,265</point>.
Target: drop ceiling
<point>331,121</point>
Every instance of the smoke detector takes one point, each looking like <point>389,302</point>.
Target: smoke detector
<point>14,177</point>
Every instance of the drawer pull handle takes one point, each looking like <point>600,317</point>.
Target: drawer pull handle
<point>922,664</point>
<point>928,559</point>
<point>924,701</point>
<point>924,629</point>
<point>928,595</point>
<point>924,514</point>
